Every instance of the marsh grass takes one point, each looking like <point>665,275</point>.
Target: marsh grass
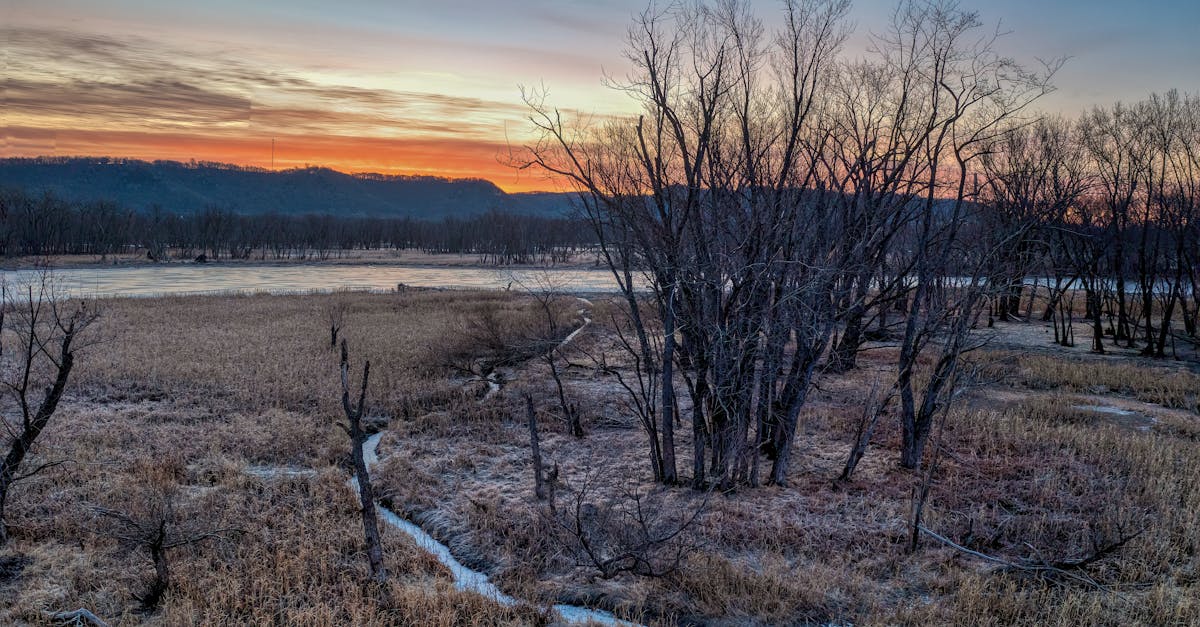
<point>1152,381</point>
<point>186,394</point>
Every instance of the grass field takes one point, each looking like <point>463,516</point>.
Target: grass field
<point>217,413</point>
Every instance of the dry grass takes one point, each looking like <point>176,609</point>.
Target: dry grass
<point>198,390</point>
<point>1033,477</point>
<point>186,394</point>
<point>1151,381</point>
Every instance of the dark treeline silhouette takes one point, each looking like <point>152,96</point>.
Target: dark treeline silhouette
<point>46,224</point>
<point>191,187</point>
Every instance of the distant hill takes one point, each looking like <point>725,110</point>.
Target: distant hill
<point>191,187</point>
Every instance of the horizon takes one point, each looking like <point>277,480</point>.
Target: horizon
<point>397,90</point>
<point>248,167</point>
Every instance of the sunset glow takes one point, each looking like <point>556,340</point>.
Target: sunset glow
<point>406,87</point>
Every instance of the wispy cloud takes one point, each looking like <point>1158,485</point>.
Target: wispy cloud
<point>88,93</point>
<point>136,81</point>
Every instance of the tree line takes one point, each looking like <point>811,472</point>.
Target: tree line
<point>46,224</point>
<point>787,203</point>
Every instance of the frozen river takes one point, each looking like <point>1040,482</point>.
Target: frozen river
<point>193,278</point>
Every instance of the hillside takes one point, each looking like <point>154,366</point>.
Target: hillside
<point>190,187</point>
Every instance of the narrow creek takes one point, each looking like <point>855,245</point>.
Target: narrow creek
<point>466,578</point>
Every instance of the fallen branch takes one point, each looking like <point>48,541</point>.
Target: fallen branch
<point>79,617</point>
<point>1098,552</point>
<point>1040,568</point>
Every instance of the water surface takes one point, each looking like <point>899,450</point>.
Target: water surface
<point>193,278</point>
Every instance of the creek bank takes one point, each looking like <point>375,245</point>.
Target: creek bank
<point>466,578</point>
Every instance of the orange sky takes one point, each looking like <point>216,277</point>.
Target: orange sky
<point>446,157</point>
<point>362,87</point>
<point>425,88</point>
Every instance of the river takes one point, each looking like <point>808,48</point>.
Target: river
<point>195,278</point>
<point>247,278</point>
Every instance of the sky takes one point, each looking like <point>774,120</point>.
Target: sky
<point>432,87</point>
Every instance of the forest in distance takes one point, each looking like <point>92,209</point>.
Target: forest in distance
<point>888,345</point>
<point>39,225</point>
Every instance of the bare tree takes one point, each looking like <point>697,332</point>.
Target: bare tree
<point>768,194</point>
<point>1117,154</point>
<point>535,448</point>
<point>1171,193</point>
<point>158,529</point>
<point>626,532</point>
<point>335,314</point>
<point>553,343</point>
<point>362,478</point>
<point>40,336</point>
<point>970,97</point>
<point>1033,175</point>
<point>706,197</point>
<point>874,406</point>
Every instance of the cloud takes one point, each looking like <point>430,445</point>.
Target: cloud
<point>64,80</point>
<point>147,101</point>
<point>79,93</point>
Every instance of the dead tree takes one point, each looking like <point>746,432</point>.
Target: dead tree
<point>78,617</point>
<point>553,342</point>
<point>335,314</point>
<point>1070,569</point>
<point>920,496</point>
<point>873,408</point>
<point>539,480</point>
<point>362,478</point>
<point>157,533</point>
<point>627,531</point>
<point>39,337</point>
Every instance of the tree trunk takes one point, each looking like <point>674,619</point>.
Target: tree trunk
<point>862,437</point>
<point>699,431</point>
<point>24,441</point>
<point>844,355</point>
<point>670,475</point>
<point>366,495</point>
<point>570,410</point>
<point>911,443</point>
<point>1097,326</point>
<point>3,498</point>
<point>796,394</point>
<point>153,596</point>
<point>1164,329</point>
<point>539,481</point>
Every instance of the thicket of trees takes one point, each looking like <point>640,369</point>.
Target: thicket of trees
<point>46,224</point>
<point>786,204</point>
<point>1111,204</point>
<point>1131,241</point>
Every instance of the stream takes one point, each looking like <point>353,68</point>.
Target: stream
<point>464,577</point>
